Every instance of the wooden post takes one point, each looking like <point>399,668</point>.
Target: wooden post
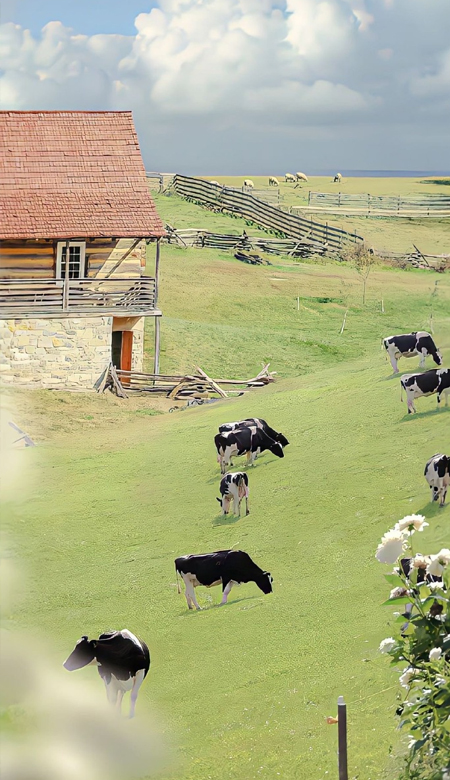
<point>66,279</point>
<point>157,345</point>
<point>342,739</point>
<point>157,260</point>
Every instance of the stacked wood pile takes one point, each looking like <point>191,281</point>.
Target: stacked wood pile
<point>418,259</point>
<point>198,385</point>
<point>251,259</point>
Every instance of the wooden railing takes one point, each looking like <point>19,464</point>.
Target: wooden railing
<point>378,205</point>
<point>50,297</point>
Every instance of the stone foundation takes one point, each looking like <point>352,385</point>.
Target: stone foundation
<point>54,353</point>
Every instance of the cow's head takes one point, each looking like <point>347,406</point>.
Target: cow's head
<point>277,449</point>
<point>437,357</point>
<point>282,440</point>
<point>264,582</point>
<point>82,654</point>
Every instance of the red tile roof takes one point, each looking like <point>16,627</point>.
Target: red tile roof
<point>73,174</point>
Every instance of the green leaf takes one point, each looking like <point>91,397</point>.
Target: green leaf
<point>399,600</point>
<point>394,579</point>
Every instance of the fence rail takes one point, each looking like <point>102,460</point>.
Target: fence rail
<point>379,205</point>
<point>50,297</point>
<point>195,237</point>
<point>264,214</point>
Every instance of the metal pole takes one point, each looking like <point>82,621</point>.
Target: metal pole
<point>342,739</point>
<point>157,345</point>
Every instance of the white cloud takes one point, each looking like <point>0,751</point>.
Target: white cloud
<point>206,64</point>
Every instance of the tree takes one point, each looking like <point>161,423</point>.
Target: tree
<point>363,261</point>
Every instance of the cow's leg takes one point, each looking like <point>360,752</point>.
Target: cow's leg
<point>236,504</point>
<point>226,591</point>
<point>423,354</point>
<point>392,358</point>
<point>111,691</point>
<point>443,495</point>
<point>410,402</point>
<point>119,701</point>
<point>247,509</point>
<point>226,505</point>
<point>434,493</point>
<point>137,682</point>
<point>189,592</point>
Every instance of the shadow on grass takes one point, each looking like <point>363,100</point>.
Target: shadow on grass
<point>433,511</point>
<point>188,612</point>
<point>423,415</point>
<point>225,520</point>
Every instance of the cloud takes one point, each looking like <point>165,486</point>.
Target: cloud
<point>194,66</point>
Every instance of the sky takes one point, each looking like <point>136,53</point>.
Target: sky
<point>244,86</point>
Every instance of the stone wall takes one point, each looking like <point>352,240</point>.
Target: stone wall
<point>61,352</point>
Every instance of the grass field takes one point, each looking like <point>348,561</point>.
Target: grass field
<point>118,491</point>
<point>396,235</point>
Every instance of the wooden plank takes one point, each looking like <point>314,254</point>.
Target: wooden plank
<point>212,383</point>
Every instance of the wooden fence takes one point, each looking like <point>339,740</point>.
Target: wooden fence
<point>378,205</point>
<point>271,196</point>
<point>195,237</point>
<point>263,214</point>
<point>159,181</point>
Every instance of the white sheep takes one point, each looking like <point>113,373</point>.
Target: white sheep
<point>248,183</point>
<point>215,182</point>
<point>273,181</point>
<point>301,176</point>
<point>289,177</point>
<point>338,177</point>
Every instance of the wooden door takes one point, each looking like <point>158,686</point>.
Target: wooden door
<point>127,350</point>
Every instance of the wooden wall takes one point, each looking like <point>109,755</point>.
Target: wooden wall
<point>37,259</point>
<point>27,260</point>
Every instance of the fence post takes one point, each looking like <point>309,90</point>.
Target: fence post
<point>342,739</point>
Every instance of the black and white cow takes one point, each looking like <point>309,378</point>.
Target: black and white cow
<point>410,344</point>
<point>234,487</point>
<point>259,423</point>
<point>437,474</point>
<point>436,381</point>
<point>123,661</point>
<point>225,567</point>
<point>244,441</point>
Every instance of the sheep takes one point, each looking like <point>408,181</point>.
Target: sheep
<point>216,183</point>
<point>301,176</point>
<point>289,177</point>
<point>274,181</point>
<point>248,183</point>
<point>338,177</point>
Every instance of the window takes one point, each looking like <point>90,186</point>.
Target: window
<point>77,251</point>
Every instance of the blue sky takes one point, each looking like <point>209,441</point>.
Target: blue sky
<point>244,86</point>
<point>84,16</point>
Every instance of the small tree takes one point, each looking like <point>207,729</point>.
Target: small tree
<point>362,260</point>
<point>420,594</point>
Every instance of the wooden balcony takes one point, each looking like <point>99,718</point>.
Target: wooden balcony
<point>24,298</point>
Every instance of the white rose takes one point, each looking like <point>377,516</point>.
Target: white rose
<point>411,523</point>
<point>406,677</point>
<point>435,654</point>
<point>387,644</point>
<point>420,561</point>
<point>390,547</point>
<point>438,563</point>
<point>435,585</point>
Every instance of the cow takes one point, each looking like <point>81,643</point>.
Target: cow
<point>234,487</point>
<point>248,183</point>
<point>410,344</point>
<point>436,381</point>
<point>225,567</point>
<point>122,659</point>
<point>338,177</point>
<point>301,176</point>
<point>259,423</point>
<point>244,441</point>
<point>289,177</point>
<point>437,474</point>
<point>273,181</point>
<point>422,576</point>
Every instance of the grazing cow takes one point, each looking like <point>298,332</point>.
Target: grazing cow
<point>338,177</point>
<point>273,181</point>
<point>234,487</point>
<point>244,441</point>
<point>410,344</point>
<point>259,423</point>
<point>123,661</point>
<point>436,381</point>
<point>289,177</point>
<point>301,176</point>
<point>437,474</point>
<point>248,183</point>
<point>225,567</point>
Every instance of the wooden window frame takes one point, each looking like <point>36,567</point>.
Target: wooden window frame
<point>59,250</point>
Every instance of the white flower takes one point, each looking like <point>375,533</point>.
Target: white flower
<point>397,592</point>
<point>435,654</point>
<point>435,585</point>
<point>420,561</point>
<point>438,562</point>
<point>411,523</point>
<point>387,644</point>
<point>406,677</point>
<point>390,547</point>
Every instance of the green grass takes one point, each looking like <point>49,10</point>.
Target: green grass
<point>117,493</point>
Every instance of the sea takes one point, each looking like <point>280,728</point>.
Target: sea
<point>378,174</point>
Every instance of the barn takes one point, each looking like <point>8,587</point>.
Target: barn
<point>78,227</point>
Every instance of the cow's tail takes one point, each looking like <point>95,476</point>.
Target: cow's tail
<point>401,391</point>
<point>178,581</point>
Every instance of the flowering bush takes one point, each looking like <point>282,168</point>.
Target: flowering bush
<point>419,585</point>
